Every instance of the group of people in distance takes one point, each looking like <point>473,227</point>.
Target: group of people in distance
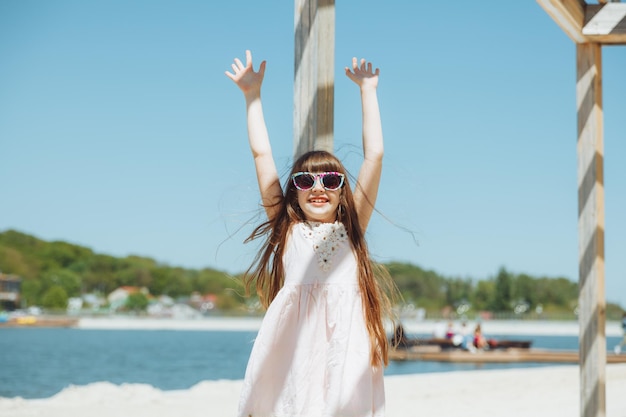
<point>463,337</point>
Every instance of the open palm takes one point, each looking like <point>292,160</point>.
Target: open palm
<point>244,76</point>
<point>363,74</point>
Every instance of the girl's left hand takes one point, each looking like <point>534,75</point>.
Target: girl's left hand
<point>245,77</point>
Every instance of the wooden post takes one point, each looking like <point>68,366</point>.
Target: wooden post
<point>314,85</point>
<point>591,301</point>
<point>590,26</point>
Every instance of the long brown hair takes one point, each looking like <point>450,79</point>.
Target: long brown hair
<point>267,272</point>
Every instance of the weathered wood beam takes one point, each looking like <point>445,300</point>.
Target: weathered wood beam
<point>314,84</point>
<point>569,15</point>
<point>605,24</point>
<point>591,299</point>
<point>600,23</point>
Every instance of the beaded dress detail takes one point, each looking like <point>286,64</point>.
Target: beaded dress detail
<point>311,356</point>
<point>326,238</point>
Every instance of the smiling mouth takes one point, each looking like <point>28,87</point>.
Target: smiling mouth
<point>318,200</point>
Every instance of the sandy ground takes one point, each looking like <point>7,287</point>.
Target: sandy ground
<point>537,392</point>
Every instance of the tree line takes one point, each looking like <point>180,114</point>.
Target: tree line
<point>54,271</point>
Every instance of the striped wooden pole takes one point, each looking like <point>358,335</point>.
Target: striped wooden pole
<point>590,26</point>
<point>314,85</point>
<point>591,301</point>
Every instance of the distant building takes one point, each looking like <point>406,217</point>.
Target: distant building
<point>203,302</point>
<point>93,301</point>
<point>10,291</point>
<point>74,305</point>
<point>117,298</point>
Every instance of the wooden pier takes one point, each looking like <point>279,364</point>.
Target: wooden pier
<point>512,355</point>
<point>40,321</point>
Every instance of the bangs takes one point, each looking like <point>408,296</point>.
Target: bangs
<point>320,162</point>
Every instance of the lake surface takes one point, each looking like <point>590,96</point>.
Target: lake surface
<point>40,362</point>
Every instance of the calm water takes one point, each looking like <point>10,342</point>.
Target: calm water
<point>38,363</point>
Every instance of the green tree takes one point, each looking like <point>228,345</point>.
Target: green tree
<point>229,300</point>
<point>502,299</point>
<point>458,290</point>
<point>136,301</point>
<point>55,298</point>
<point>13,260</point>
<point>559,292</point>
<point>483,295</point>
<point>31,290</point>
<point>26,244</point>
<point>426,288</point>
<point>210,281</point>
<point>62,254</point>
<point>101,274</point>
<point>64,278</point>
<point>524,289</point>
<point>179,283</point>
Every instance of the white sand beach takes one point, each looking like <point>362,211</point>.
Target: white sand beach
<point>537,392</point>
<point>545,391</point>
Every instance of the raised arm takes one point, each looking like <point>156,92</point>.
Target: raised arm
<point>366,189</point>
<point>250,83</point>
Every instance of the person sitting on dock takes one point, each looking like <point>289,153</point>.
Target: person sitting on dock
<point>399,338</point>
<point>450,332</point>
<point>439,332</point>
<point>480,342</point>
<point>466,337</point>
<point>618,348</point>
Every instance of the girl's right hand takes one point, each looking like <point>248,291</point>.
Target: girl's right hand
<point>363,75</point>
<point>245,77</point>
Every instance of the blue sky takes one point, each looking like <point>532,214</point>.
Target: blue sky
<point>119,130</point>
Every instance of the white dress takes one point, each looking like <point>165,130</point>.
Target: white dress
<point>311,357</point>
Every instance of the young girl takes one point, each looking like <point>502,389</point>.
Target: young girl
<point>322,345</point>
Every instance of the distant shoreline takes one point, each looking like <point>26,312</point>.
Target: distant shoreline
<point>499,327</point>
<point>252,324</point>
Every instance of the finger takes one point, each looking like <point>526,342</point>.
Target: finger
<point>229,75</point>
<point>351,75</point>
<point>262,68</point>
<point>248,58</point>
<point>363,64</point>
<point>239,63</point>
<point>235,68</point>
<point>369,67</point>
<point>354,63</point>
